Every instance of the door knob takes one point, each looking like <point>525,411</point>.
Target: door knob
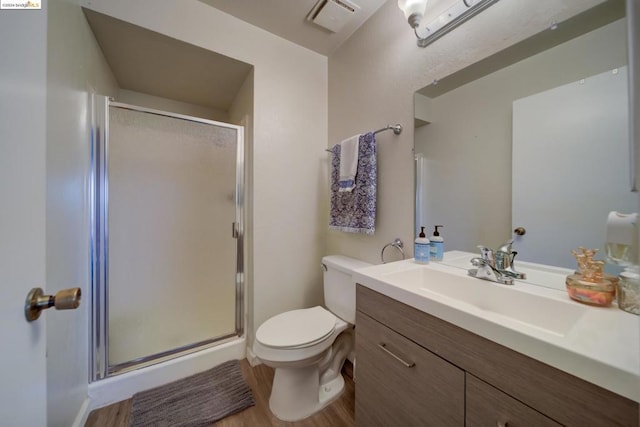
<point>66,299</point>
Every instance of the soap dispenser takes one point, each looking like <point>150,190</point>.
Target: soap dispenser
<point>422,248</point>
<point>437,245</point>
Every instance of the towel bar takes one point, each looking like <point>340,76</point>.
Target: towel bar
<point>397,243</point>
<point>397,129</point>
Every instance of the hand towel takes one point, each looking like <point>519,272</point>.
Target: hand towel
<point>355,211</point>
<point>348,163</point>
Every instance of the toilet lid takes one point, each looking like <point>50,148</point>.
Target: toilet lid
<point>296,328</point>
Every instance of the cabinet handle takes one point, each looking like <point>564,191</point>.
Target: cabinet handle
<point>502,424</point>
<point>399,359</point>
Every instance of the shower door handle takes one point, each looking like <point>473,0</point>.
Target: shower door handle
<point>235,230</point>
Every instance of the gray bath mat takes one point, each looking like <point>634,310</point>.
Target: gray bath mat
<point>198,400</point>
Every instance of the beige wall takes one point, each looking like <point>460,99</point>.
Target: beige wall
<point>289,137</point>
<point>170,105</point>
<point>373,76</point>
<point>242,104</point>
<point>75,67</point>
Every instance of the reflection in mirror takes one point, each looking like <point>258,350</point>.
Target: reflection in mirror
<point>545,119</point>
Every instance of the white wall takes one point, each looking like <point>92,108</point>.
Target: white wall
<point>289,137</point>
<point>170,105</point>
<point>373,76</point>
<point>74,66</point>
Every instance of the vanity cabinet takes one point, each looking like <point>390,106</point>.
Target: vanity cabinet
<point>415,369</point>
<point>488,406</point>
<point>401,383</point>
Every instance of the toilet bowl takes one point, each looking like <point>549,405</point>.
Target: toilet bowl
<point>308,347</point>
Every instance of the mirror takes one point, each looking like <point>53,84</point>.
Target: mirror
<point>509,142</point>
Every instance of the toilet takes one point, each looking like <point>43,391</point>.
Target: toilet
<point>308,347</point>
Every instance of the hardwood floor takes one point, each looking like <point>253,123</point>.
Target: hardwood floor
<point>339,414</point>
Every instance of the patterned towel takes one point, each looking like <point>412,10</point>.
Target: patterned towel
<point>355,211</point>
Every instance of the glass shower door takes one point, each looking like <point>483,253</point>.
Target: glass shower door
<point>171,198</point>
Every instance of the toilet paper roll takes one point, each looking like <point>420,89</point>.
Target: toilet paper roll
<point>621,228</point>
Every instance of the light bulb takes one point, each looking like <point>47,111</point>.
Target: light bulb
<point>413,10</point>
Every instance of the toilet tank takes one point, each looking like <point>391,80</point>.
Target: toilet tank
<point>339,289</point>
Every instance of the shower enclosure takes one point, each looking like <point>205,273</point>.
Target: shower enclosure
<point>167,234</point>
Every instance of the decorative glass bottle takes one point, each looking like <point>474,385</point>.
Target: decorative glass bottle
<point>590,285</point>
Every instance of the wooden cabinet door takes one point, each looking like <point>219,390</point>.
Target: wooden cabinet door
<point>488,406</point>
<point>399,383</point>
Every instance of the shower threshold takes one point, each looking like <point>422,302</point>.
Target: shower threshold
<point>164,356</point>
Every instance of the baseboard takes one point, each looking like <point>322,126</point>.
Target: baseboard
<point>252,358</point>
<point>124,386</point>
<point>83,413</point>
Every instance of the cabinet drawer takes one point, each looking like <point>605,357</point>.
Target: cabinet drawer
<point>488,406</point>
<point>399,383</point>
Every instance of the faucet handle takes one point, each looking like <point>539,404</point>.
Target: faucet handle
<point>506,248</point>
<point>487,255</point>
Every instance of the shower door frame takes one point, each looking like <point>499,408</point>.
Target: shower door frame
<point>99,235</point>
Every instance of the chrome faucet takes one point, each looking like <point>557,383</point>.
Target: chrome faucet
<point>486,270</point>
<point>496,266</point>
<point>504,261</point>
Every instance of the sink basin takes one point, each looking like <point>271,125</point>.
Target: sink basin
<point>500,303</point>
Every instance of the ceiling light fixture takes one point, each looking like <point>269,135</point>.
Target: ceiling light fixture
<point>458,13</point>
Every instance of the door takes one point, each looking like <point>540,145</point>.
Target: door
<point>587,174</point>
<point>171,191</point>
<point>23,49</point>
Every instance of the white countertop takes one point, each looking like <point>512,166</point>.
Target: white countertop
<point>602,346</point>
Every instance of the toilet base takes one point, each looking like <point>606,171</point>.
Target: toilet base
<point>295,394</point>
<point>331,390</point>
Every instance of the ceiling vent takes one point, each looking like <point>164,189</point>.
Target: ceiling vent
<point>332,14</point>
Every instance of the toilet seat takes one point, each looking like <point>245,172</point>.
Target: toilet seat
<point>297,328</point>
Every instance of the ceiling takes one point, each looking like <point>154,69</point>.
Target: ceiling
<point>288,19</point>
<point>151,63</point>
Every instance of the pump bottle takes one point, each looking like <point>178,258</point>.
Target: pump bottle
<point>422,248</point>
<point>437,245</point>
